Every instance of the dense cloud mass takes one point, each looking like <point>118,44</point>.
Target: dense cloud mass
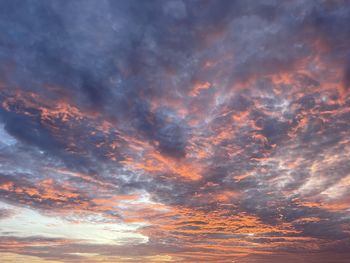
<point>175,131</point>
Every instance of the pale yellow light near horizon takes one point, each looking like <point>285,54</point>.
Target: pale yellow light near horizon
<point>24,222</point>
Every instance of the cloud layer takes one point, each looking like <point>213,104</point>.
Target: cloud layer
<point>180,131</point>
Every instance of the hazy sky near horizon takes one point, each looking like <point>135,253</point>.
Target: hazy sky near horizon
<point>174,131</point>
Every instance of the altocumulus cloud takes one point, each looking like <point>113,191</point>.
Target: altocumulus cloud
<point>174,131</point>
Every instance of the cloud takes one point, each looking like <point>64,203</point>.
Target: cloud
<point>219,128</point>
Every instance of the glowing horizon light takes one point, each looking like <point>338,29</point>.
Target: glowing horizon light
<point>25,222</point>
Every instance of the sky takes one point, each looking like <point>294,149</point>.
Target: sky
<point>174,131</point>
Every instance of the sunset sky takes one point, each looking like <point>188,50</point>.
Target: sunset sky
<point>175,131</point>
